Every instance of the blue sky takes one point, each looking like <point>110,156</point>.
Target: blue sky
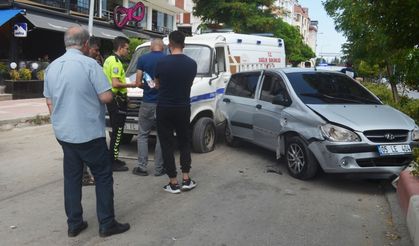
<point>328,40</point>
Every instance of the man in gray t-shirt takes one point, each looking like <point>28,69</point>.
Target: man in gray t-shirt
<point>76,91</point>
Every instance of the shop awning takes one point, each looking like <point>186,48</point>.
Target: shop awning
<point>7,14</point>
<point>61,25</point>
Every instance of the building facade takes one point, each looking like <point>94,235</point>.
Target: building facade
<point>45,22</point>
<point>286,8</point>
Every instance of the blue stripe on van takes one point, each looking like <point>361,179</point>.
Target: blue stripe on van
<point>207,95</point>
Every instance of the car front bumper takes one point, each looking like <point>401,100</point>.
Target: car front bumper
<point>358,158</point>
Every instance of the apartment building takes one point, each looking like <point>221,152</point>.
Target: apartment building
<point>296,15</point>
<point>286,10</point>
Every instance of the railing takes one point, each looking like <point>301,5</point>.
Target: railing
<point>162,29</point>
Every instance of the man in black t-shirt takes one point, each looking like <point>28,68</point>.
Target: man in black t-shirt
<point>174,75</point>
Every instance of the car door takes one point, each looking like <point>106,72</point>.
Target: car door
<point>267,116</point>
<point>238,103</point>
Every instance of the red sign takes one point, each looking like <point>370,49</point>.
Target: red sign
<point>122,15</point>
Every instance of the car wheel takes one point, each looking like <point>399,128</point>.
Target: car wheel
<point>203,135</point>
<point>301,163</point>
<point>229,138</point>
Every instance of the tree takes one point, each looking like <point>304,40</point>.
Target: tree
<point>243,16</point>
<point>367,24</point>
<point>254,16</point>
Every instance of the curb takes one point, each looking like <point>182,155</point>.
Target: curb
<point>39,119</point>
<point>408,194</point>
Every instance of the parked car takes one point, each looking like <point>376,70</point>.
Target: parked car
<point>317,119</point>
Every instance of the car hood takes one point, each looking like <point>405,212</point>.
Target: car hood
<point>364,117</point>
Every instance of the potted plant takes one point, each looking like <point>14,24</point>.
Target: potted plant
<point>25,74</point>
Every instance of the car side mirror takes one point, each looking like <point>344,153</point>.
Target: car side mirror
<point>282,99</point>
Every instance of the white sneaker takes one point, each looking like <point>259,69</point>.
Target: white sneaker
<point>188,184</point>
<point>171,188</point>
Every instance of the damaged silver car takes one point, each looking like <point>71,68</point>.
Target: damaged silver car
<point>317,119</point>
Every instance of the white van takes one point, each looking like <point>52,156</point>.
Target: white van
<point>218,55</point>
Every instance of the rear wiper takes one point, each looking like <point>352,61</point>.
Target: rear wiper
<point>320,95</point>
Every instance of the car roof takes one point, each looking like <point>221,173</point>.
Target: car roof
<point>302,70</point>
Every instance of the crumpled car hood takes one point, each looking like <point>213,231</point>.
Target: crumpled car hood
<point>364,117</point>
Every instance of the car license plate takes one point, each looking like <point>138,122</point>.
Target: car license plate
<point>131,126</point>
<point>394,149</point>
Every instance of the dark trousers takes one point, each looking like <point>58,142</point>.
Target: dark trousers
<point>169,120</point>
<point>117,113</point>
<point>96,156</point>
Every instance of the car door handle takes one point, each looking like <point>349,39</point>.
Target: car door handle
<point>258,106</point>
<point>226,100</point>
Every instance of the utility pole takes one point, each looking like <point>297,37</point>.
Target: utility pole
<point>91,12</point>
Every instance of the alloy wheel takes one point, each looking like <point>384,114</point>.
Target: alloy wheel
<point>295,158</point>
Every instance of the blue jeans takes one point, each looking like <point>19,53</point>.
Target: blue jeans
<point>146,121</point>
<point>96,156</point>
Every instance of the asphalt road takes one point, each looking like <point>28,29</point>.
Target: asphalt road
<point>244,197</point>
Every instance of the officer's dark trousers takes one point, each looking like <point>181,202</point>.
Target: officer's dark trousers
<point>96,156</point>
<point>117,115</point>
<point>170,119</point>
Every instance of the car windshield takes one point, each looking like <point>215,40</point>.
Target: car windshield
<point>329,88</point>
<point>200,53</point>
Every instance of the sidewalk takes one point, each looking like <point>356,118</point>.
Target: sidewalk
<point>14,113</point>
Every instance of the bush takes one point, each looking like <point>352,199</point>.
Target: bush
<point>4,70</point>
<point>25,74</point>
<point>14,75</point>
<point>40,74</point>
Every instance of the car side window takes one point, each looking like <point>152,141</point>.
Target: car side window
<point>243,85</point>
<point>272,86</point>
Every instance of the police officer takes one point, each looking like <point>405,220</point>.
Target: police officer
<point>113,69</point>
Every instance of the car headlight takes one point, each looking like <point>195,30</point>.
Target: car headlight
<point>415,134</point>
<point>339,134</point>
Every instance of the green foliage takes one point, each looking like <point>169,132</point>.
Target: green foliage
<point>365,69</point>
<point>133,43</point>
<point>3,70</point>
<point>14,74</point>
<point>243,16</point>
<point>253,16</point>
<point>40,74</point>
<point>415,166</point>
<point>380,35</point>
<point>25,74</point>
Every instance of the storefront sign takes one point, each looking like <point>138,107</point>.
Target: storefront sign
<point>20,30</point>
<point>122,15</point>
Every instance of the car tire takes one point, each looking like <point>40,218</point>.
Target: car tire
<point>230,140</point>
<point>301,163</point>
<point>203,135</point>
<point>125,138</point>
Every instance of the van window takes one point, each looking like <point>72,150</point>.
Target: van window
<point>132,68</point>
<point>329,88</point>
<point>243,85</point>
<point>202,55</point>
<point>272,86</point>
<point>220,59</point>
